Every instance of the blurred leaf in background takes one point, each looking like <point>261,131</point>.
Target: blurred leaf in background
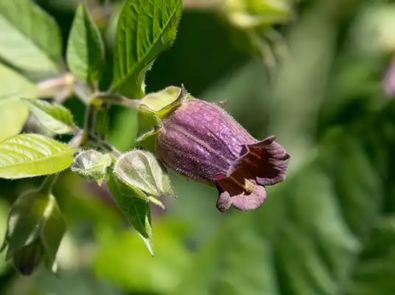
<point>30,40</point>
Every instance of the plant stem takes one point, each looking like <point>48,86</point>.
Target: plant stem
<point>118,100</point>
<point>104,145</point>
<point>48,183</point>
<point>51,87</point>
<point>75,142</point>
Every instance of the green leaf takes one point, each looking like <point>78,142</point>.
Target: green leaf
<point>142,171</point>
<point>30,39</point>
<point>55,118</point>
<point>85,52</point>
<point>323,231</point>
<point>29,155</point>
<point>13,116</point>
<point>145,29</point>
<point>14,86</point>
<point>135,270</point>
<point>91,165</point>
<point>135,206</point>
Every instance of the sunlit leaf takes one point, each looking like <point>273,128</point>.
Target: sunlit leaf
<point>85,48</point>
<point>30,39</point>
<point>55,118</point>
<point>145,29</point>
<point>28,155</point>
<point>135,206</point>
<point>13,116</point>
<point>14,86</point>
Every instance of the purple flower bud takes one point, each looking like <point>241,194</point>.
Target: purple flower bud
<point>201,141</point>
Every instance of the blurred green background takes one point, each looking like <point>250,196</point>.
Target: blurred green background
<point>321,80</point>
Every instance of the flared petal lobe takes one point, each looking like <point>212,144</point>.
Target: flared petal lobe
<point>263,163</point>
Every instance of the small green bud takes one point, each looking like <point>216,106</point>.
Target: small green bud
<point>27,259</point>
<point>34,231</point>
<point>91,165</point>
<point>142,171</point>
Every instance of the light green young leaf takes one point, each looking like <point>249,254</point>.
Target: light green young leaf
<point>13,116</point>
<point>145,29</point>
<point>135,206</point>
<point>29,155</point>
<point>85,51</point>
<point>55,118</point>
<point>14,86</point>
<point>30,39</point>
<point>91,165</point>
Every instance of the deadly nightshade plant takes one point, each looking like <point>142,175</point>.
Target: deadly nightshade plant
<point>195,138</point>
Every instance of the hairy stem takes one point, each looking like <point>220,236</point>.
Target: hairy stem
<point>104,145</point>
<point>118,100</point>
<point>55,82</point>
<point>76,141</point>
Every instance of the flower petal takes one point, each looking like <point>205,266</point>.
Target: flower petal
<point>224,201</point>
<point>250,201</point>
<point>243,196</point>
<point>265,161</point>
